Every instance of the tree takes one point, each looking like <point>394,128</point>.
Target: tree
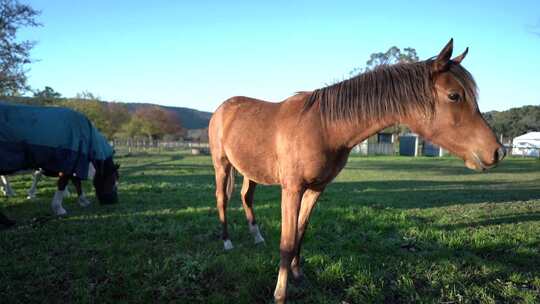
<point>392,56</point>
<point>14,54</point>
<point>153,122</point>
<point>48,95</point>
<point>515,121</point>
<point>87,95</point>
<point>118,115</point>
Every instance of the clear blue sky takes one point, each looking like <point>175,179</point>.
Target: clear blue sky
<point>198,53</point>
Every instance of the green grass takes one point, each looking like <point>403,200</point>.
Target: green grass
<point>389,229</point>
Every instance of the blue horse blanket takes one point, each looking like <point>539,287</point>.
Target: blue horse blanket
<point>52,138</point>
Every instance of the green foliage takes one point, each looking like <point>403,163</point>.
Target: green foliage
<point>388,230</point>
<point>392,56</point>
<point>153,122</point>
<point>48,95</point>
<point>14,54</point>
<point>514,122</point>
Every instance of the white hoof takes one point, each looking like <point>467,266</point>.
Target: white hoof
<point>31,196</point>
<point>227,245</point>
<point>256,234</point>
<point>84,202</point>
<point>59,211</point>
<point>259,239</point>
<point>56,204</point>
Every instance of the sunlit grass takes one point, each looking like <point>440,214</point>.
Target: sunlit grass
<point>389,229</point>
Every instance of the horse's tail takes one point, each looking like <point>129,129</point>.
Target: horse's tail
<point>230,183</point>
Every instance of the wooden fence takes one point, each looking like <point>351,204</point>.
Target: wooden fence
<point>144,145</point>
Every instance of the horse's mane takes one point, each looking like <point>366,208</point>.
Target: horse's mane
<point>398,89</point>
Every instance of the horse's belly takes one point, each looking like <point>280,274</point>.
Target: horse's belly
<point>258,166</point>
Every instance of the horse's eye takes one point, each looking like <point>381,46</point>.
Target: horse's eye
<point>454,96</point>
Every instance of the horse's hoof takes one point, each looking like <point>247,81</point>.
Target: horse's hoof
<point>84,202</point>
<point>298,274</point>
<point>259,239</point>
<point>227,245</point>
<point>60,211</point>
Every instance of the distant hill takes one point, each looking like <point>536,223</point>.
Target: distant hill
<point>190,118</point>
<point>515,121</point>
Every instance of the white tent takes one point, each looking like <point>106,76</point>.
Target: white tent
<point>527,144</point>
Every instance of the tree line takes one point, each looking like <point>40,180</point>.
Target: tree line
<point>514,122</point>
<point>114,119</point>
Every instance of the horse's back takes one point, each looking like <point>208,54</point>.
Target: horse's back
<point>56,139</point>
<point>40,125</point>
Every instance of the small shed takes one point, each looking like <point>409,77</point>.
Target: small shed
<point>527,144</point>
<point>431,149</point>
<point>408,145</point>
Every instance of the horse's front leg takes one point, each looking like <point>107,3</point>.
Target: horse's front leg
<point>290,205</point>
<point>6,187</point>
<point>308,202</point>
<point>83,201</point>
<point>59,195</point>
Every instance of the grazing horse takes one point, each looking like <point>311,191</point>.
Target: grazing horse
<point>303,142</point>
<point>60,141</point>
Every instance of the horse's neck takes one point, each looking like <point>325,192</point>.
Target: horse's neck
<point>350,134</point>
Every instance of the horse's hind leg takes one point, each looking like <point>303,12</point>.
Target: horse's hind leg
<point>248,189</point>
<point>56,204</point>
<point>36,176</point>
<point>223,171</point>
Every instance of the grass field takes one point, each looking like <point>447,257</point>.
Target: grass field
<point>388,230</point>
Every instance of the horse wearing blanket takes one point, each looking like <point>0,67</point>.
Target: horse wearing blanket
<point>62,143</point>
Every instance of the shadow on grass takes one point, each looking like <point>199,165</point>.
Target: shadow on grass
<point>125,240</point>
<point>440,166</point>
<point>405,194</point>
<point>500,220</point>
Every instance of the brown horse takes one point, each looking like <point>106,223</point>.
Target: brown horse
<point>303,142</point>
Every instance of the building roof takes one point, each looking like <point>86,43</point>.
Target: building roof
<point>529,136</point>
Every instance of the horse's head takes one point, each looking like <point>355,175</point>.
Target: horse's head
<point>105,181</point>
<point>457,124</point>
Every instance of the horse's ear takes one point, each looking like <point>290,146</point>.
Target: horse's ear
<point>459,59</point>
<point>442,61</point>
